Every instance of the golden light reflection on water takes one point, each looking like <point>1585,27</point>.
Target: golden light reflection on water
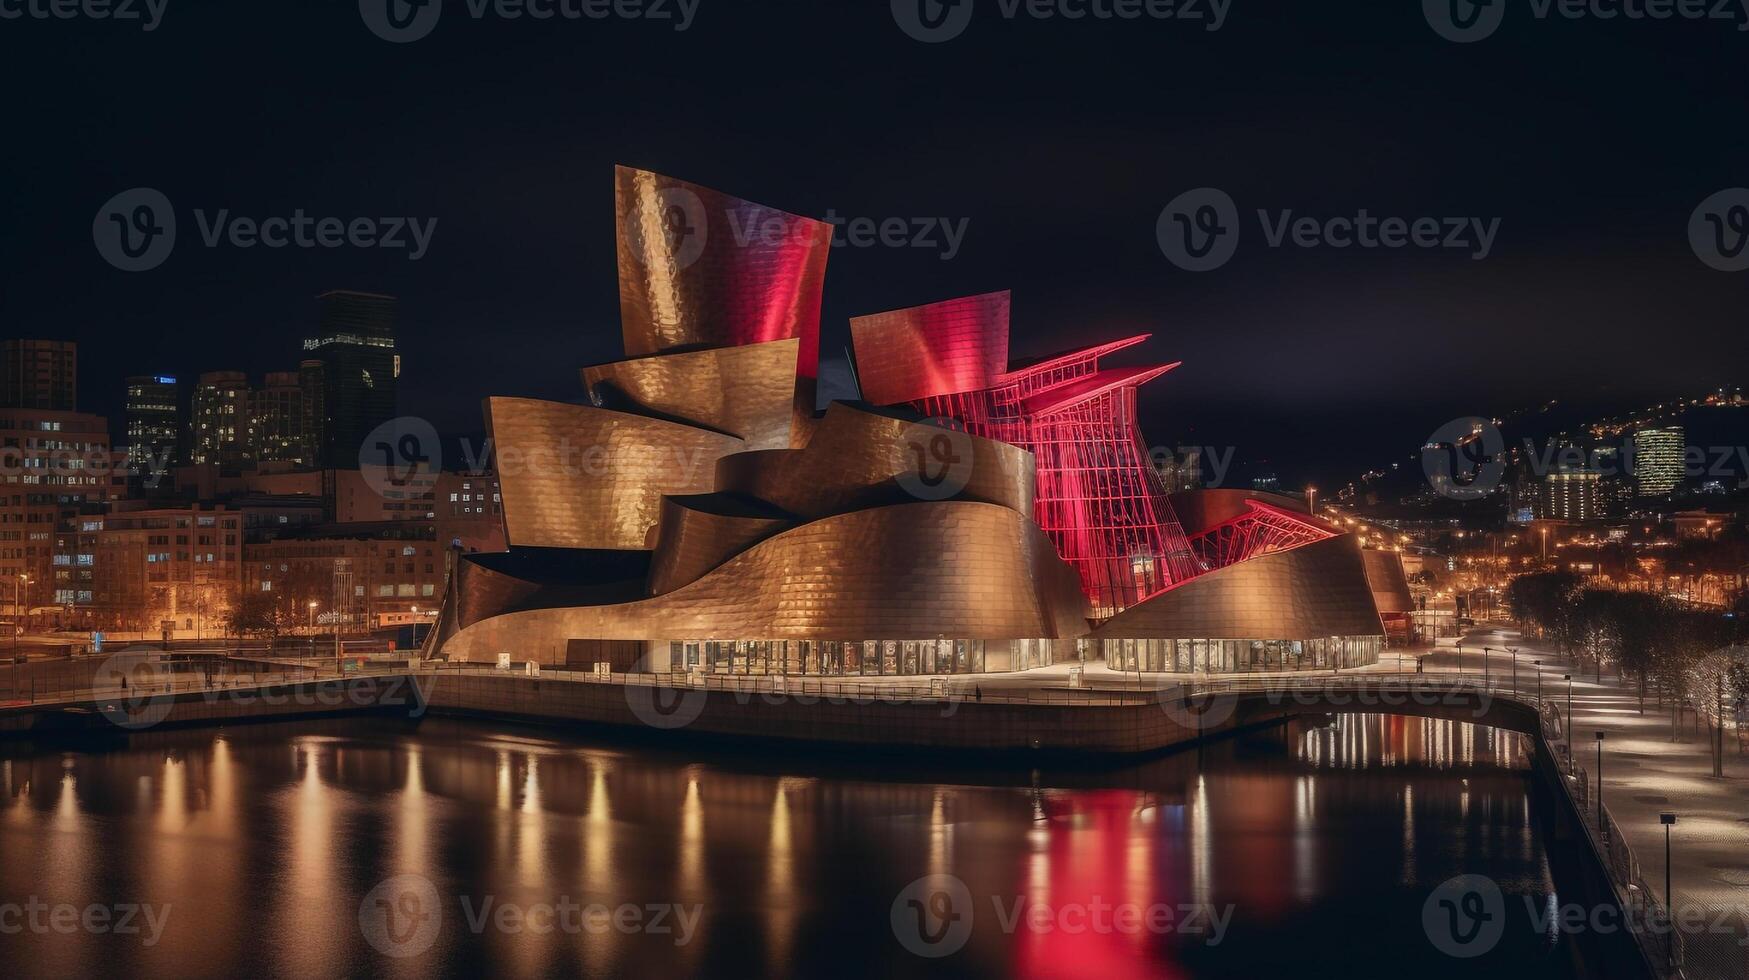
<point>306,895</point>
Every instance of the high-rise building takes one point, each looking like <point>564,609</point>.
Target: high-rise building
<point>220,421</point>
<point>311,379</point>
<point>1572,494</point>
<point>277,420</point>
<point>154,421</point>
<point>39,374</point>
<point>356,346</point>
<point>1659,462</point>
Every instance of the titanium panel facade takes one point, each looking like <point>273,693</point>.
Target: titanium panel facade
<point>579,477</point>
<point>862,458</point>
<point>939,349</point>
<point>698,268</point>
<point>1312,592</point>
<point>1390,584</point>
<point>951,569</point>
<point>746,391</point>
<point>698,534</point>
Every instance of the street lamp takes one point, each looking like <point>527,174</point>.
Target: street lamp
<point>1539,682</point>
<point>313,605</point>
<point>1668,819</point>
<point>1485,652</point>
<point>1514,652</point>
<point>1568,727</point>
<point>1600,826</point>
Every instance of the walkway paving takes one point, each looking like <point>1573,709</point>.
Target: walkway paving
<point>1647,771</point>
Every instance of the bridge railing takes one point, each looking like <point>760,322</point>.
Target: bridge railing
<point>1648,918</point>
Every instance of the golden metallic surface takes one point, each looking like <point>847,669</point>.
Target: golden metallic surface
<point>579,477</point>
<point>1310,592</point>
<point>1389,582</point>
<point>953,569</point>
<point>939,349</point>
<point>699,268</point>
<point>746,391</point>
<point>697,534</point>
<point>1199,510</point>
<point>863,458</point>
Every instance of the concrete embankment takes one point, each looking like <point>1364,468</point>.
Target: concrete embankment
<point>116,712</point>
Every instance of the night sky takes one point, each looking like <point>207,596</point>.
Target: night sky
<point>1059,142</point>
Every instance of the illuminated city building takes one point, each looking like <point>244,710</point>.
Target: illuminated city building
<point>1572,494</point>
<point>697,514</point>
<point>1659,459</point>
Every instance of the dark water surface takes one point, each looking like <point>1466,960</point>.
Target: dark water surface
<point>261,849</point>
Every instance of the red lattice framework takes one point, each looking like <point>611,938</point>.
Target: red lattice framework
<point>1099,497</point>
<point>1262,530</point>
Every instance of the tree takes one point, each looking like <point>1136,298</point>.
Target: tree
<point>253,615</point>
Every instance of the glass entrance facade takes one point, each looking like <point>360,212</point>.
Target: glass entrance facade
<point>839,658</point>
<point>1241,656</point>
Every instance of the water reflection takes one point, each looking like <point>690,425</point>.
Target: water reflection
<point>264,841</point>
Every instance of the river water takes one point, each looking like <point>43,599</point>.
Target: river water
<point>365,847</point>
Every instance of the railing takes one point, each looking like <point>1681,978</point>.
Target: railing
<point>1648,918</point>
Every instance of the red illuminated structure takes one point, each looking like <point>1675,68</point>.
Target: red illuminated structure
<point>1263,529</point>
<point>1100,499</point>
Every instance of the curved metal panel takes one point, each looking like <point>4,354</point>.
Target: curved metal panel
<point>1390,584</point>
<point>572,476</point>
<point>954,569</point>
<point>939,349</point>
<point>1317,590</point>
<point>697,534</point>
<point>744,391</point>
<point>698,268</point>
<point>862,458</point>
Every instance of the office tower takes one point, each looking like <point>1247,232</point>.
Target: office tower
<point>1573,494</point>
<point>315,398</point>
<point>220,421</point>
<point>277,419</point>
<point>1659,464</point>
<point>39,374</point>
<point>356,346</point>
<point>154,422</point>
